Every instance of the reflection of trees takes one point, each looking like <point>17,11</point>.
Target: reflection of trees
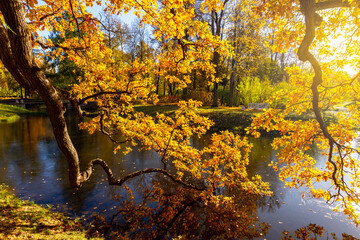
<point>165,209</point>
<point>261,155</point>
<point>20,149</point>
<point>33,130</point>
<point>28,130</point>
<point>269,204</point>
<point>313,231</point>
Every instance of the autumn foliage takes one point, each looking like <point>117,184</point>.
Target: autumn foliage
<point>206,178</point>
<point>318,91</point>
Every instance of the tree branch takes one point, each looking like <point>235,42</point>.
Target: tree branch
<point>304,54</point>
<point>102,129</point>
<point>50,14</point>
<point>81,101</point>
<point>174,218</point>
<point>332,4</point>
<point>73,14</point>
<point>85,175</point>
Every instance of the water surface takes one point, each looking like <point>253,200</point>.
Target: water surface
<point>32,164</point>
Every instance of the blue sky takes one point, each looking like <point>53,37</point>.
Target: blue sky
<point>128,18</point>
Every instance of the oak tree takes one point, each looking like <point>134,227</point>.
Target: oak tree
<point>207,176</point>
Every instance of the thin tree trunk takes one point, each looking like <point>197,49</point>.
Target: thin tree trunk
<point>232,83</point>
<point>216,61</point>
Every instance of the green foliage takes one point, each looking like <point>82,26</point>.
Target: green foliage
<point>253,90</point>
<point>10,113</point>
<point>61,70</point>
<point>65,75</point>
<point>272,71</point>
<point>279,91</point>
<point>7,92</point>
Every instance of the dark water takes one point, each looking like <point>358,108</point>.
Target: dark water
<point>32,164</point>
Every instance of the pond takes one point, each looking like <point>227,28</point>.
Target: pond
<point>32,164</point>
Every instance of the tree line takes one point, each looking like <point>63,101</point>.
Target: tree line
<point>249,75</point>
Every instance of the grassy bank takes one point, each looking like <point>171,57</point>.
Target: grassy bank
<point>229,118</point>
<point>21,219</point>
<point>10,113</point>
<point>224,118</point>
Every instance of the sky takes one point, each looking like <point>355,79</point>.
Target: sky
<point>127,18</point>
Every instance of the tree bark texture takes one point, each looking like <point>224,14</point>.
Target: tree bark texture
<point>16,53</point>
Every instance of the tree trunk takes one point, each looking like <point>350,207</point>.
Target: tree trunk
<point>216,61</point>
<point>16,53</point>
<point>215,95</point>
<point>232,83</point>
<point>232,89</point>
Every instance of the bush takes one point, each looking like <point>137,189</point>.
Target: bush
<point>199,95</point>
<point>253,90</point>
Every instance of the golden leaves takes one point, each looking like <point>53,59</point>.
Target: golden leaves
<point>186,44</point>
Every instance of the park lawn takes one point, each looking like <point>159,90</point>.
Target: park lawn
<point>10,113</point>
<point>21,219</point>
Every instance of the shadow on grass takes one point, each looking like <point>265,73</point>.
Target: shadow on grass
<point>21,219</point>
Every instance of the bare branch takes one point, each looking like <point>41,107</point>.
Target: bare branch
<point>332,4</point>
<point>85,175</point>
<point>81,101</point>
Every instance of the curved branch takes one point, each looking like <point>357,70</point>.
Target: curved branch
<point>81,101</point>
<point>308,8</point>
<point>304,54</point>
<point>85,175</point>
<point>332,4</point>
<point>108,134</point>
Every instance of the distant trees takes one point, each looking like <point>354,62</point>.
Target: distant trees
<point>247,41</point>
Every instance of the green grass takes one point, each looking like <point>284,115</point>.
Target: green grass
<point>21,219</point>
<point>10,113</point>
<point>153,109</point>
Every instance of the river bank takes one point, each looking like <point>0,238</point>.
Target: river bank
<point>22,219</point>
<point>10,113</point>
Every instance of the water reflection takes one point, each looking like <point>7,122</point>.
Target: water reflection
<point>32,164</point>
